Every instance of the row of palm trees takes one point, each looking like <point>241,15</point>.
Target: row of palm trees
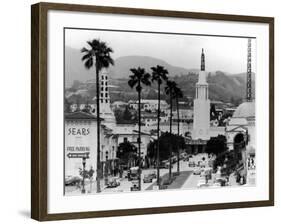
<point>159,75</point>
<point>98,55</point>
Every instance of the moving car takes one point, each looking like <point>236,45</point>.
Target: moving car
<point>135,186</point>
<point>134,173</point>
<point>113,182</point>
<point>147,178</point>
<point>197,171</point>
<point>153,174</point>
<point>72,180</point>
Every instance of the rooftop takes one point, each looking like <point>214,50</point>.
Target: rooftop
<point>245,110</point>
<point>80,115</point>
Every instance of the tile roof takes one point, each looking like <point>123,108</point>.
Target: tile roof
<point>80,115</point>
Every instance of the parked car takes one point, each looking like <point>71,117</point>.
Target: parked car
<point>174,159</point>
<point>113,182</point>
<point>147,178</point>
<point>191,164</point>
<point>162,164</point>
<point>167,165</point>
<point>72,180</point>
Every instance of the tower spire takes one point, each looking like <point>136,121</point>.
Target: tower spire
<point>249,72</point>
<point>202,60</point>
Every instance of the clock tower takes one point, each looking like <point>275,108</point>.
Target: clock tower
<point>201,120</point>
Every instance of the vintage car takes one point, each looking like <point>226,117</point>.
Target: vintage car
<point>191,164</point>
<point>167,165</point>
<point>197,171</point>
<point>135,186</point>
<point>153,174</point>
<point>72,180</point>
<point>113,182</point>
<point>134,173</point>
<point>147,178</point>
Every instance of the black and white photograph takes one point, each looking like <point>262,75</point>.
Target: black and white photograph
<point>154,111</point>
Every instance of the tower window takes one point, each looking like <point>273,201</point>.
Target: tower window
<point>106,95</point>
<point>106,88</point>
<point>101,88</point>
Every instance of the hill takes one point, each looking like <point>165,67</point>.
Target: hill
<point>75,70</point>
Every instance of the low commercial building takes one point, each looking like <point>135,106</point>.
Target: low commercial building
<point>80,141</point>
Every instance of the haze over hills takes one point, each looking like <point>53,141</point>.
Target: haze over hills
<point>222,86</point>
<point>75,69</point>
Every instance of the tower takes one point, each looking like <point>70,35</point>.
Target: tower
<point>249,96</point>
<point>201,121</point>
<point>105,110</point>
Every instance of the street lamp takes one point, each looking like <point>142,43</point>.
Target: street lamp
<point>106,169</point>
<point>83,181</point>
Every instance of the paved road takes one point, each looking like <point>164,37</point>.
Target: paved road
<point>185,180</point>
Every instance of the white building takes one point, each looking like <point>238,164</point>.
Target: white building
<point>185,114</point>
<point>241,124</point>
<point>129,133</point>
<point>149,105</point>
<point>149,119</point>
<point>80,138</point>
<point>201,122</point>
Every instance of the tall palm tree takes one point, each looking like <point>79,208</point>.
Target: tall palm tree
<point>99,55</point>
<point>159,74</point>
<point>178,94</point>
<point>170,90</point>
<point>138,78</point>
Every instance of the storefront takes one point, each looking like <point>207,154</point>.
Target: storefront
<point>80,142</point>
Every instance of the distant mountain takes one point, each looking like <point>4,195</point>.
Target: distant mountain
<point>222,86</point>
<point>75,70</point>
<point>122,66</point>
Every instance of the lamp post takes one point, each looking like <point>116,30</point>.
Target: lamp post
<point>106,169</point>
<point>83,181</point>
<point>139,154</point>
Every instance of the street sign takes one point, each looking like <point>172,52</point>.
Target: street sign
<point>78,155</point>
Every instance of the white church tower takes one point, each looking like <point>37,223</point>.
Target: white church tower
<point>105,110</point>
<point>201,120</point>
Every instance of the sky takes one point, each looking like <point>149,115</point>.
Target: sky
<point>228,54</point>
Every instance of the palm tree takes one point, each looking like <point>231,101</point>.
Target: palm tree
<point>138,78</point>
<point>170,90</point>
<point>178,94</point>
<point>159,74</point>
<point>98,55</point>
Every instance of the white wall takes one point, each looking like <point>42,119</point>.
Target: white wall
<point>15,120</point>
